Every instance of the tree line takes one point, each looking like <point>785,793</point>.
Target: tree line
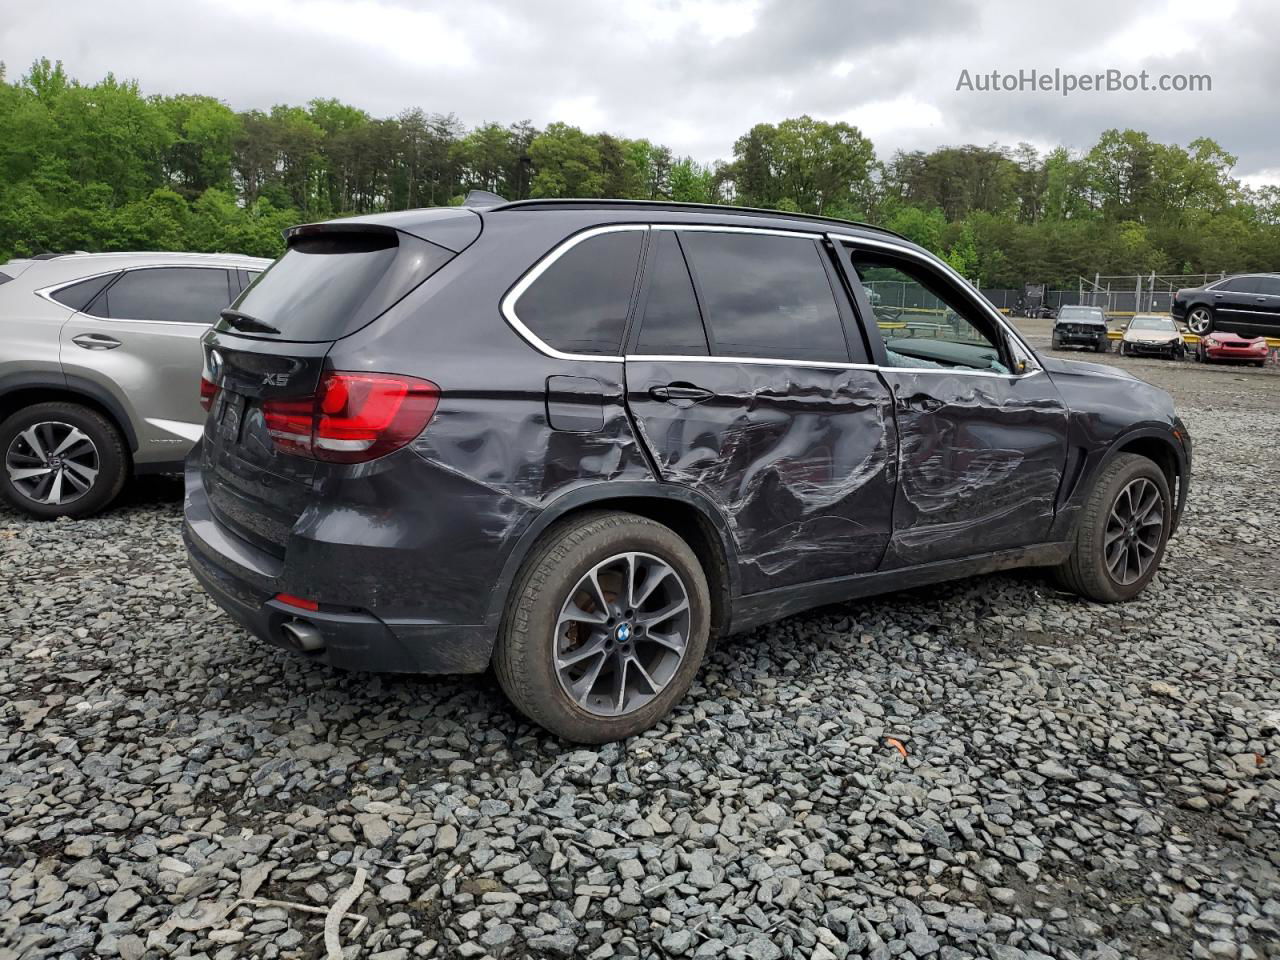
<point>102,166</point>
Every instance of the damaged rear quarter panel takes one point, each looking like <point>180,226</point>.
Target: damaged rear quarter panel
<point>428,535</point>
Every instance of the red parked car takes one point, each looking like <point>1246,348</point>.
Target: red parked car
<point>1220,345</point>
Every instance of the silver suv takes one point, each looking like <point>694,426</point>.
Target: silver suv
<point>99,365</point>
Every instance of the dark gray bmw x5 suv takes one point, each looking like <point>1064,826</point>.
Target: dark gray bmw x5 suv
<point>579,439</point>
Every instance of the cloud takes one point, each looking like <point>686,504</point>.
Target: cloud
<point>694,74</point>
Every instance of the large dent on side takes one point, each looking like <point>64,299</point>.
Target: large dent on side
<point>799,460</point>
<point>979,473</point>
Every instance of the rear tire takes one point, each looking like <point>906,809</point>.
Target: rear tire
<point>543,628</point>
<point>1117,549</point>
<point>61,460</point>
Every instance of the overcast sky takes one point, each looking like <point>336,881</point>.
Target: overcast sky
<point>695,74</point>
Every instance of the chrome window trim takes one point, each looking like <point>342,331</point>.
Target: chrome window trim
<point>824,365</point>
<point>46,293</point>
<point>771,361</point>
<point>937,264</point>
<point>512,297</point>
<point>508,305</point>
<point>509,302</point>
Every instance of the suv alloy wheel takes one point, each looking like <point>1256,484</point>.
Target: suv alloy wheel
<point>1122,531</point>
<point>605,627</point>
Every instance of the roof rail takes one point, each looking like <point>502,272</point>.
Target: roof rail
<point>695,207</point>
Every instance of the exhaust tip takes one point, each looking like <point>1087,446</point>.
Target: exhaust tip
<point>302,636</point>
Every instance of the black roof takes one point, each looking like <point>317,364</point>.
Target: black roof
<point>714,208</point>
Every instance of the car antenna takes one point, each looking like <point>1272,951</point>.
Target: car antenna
<point>482,199</point>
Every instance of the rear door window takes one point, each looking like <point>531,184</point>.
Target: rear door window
<point>78,296</point>
<point>330,283</point>
<point>579,303</point>
<point>765,296</point>
<point>1269,286</point>
<point>1240,285</point>
<point>166,294</point>
<point>670,324</point>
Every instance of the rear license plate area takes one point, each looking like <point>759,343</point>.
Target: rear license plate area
<point>230,416</point>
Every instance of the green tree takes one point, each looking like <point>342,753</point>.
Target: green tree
<point>566,163</point>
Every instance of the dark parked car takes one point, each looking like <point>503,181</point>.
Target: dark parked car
<point>1080,326</point>
<point>579,440</point>
<point>1248,304</point>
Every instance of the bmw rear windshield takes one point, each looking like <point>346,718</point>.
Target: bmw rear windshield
<point>332,281</point>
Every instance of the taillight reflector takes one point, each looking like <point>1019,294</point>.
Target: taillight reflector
<point>299,602</point>
<point>208,393</point>
<point>353,417</point>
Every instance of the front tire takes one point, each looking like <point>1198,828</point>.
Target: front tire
<point>605,627</point>
<point>1122,532</point>
<point>61,460</point>
<point>1200,321</point>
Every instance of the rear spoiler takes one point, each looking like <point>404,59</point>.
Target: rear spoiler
<point>454,228</point>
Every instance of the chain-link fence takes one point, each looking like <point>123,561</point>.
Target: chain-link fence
<point>1126,294</point>
<point>1120,295</point>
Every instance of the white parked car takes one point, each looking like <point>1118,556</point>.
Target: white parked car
<point>100,366</point>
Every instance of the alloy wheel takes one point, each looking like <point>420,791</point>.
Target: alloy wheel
<point>622,634</point>
<point>1199,321</point>
<point>1134,528</point>
<point>52,462</point>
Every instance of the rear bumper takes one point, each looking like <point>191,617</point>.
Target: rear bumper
<point>244,581</point>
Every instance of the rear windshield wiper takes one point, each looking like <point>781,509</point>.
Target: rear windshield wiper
<point>242,321</point>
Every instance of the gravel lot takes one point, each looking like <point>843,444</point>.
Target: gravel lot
<point>1074,780</point>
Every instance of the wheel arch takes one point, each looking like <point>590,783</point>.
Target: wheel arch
<point>1162,448</point>
<point>17,392</point>
<point>689,514</point>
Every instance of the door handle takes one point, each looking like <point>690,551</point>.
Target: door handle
<point>923,402</point>
<point>95,341</point>
<point>673,392</point>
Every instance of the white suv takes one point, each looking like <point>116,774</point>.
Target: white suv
<point>99,369</point>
